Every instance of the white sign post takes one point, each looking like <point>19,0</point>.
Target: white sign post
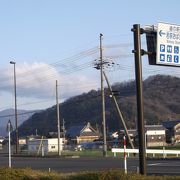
<point>168,44</point>
<point>125,156</point>
<point>9,129</point>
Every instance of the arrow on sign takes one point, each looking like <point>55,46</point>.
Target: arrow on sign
<point>161,33</point>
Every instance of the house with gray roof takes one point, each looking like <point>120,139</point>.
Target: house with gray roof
<point>155,135</point>
<point>172,131</point>
<point>82,133</point>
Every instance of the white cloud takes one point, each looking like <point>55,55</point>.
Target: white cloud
<point>37,80</point>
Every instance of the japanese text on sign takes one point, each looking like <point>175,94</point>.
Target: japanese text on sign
<point>168,44</point>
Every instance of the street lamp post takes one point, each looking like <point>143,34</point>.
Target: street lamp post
<point>15,101</point>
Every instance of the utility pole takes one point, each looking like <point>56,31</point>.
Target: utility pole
<point>139,90</point>
<point>103,100</point>
<point>58,119</point>
<point>15,104</point>
<point>119,112</point>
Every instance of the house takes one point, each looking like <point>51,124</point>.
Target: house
<point>44,146</point>
<point>172,131</point>
<point>155,135</point>
<point>82,133</point>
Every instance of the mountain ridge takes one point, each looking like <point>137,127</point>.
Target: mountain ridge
<point>161,101</point>
<point>8,114</point>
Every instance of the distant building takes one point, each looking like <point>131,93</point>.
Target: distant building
<point>155,135</point>
<point>22,142</point>
<point>44,146</point>
<point>172,131</point>
<point>1,141</point>
<point>82,133</point>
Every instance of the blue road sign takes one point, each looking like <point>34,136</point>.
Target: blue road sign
<point>168,44</point>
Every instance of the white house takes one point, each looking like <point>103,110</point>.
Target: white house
<point>155,135</point>
<point>44,146</point>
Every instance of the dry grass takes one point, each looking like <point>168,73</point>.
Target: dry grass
<point>29,174</point>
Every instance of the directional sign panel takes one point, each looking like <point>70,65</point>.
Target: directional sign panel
<point>168,44</point>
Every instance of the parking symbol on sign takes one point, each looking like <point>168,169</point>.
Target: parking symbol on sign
<point>176,50</point>
<point>162,48</point>
<point>169,58</point>
<point>176,59</point>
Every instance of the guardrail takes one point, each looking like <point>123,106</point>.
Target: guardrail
<point>163,151</point>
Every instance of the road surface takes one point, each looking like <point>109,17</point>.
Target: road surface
<point>70,164</point>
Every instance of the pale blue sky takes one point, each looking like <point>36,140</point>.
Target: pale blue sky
<point>42,32</point>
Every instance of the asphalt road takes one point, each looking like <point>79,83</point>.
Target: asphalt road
<point>154,166</point>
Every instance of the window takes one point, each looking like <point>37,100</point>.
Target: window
<point>52,147</point>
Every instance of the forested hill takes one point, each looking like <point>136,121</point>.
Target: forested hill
<point>161,100</point>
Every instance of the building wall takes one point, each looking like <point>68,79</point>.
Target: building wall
<point>156,140</point>
<point>36,146</point>
<point>155,132</point>
<point>177,133</point>
<point>86,139</point>
<point>53,144</point>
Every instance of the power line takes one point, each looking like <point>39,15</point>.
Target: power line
<point>19,114</point>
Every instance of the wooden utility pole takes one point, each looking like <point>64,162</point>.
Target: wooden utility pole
<point>58,119</point>
<point>103,100</point>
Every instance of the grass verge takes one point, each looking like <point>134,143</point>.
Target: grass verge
<point>29,174</point>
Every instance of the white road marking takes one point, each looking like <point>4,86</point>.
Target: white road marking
<point>155,164</point>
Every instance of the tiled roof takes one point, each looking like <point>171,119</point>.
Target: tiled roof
<point>78,130</point>
<point>74,131</point>
<point>170,123</point>
<point>154,127</point>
